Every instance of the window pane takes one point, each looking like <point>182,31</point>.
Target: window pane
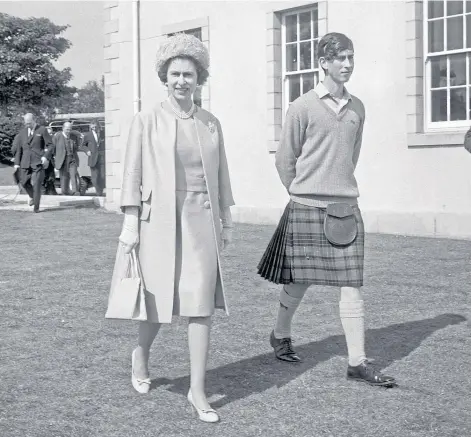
<point>468,31</point>
<point>468,6</point>
<point>435,8</point>
<point>305,55</point>
<point>458,69</point>
<point>316,61</point>
<point>435,36</point>
<point>305,25</point>
<point>458,104</point>
<point>294,88</point>
<point>291,57</point>
<point>454,7</point>
<point>315,19</point>
<point>454,33</point>
<point>439,72</point>
<point>439,105</point>
<point>308,82</point>
<point>291,28</point>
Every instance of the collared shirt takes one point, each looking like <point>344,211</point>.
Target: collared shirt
<point>95,135</point>
<point>31,130</point>
<point>332,102</point>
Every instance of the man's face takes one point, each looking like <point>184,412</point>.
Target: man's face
<point>29,122</point>
<point>67,128</point>
<point>93,126</point>
<point>340,68</point>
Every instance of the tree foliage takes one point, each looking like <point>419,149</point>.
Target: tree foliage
<point>28,48</point>
<point>90,98</point>
<point>29,81</point>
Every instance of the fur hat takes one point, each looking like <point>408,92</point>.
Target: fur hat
<point>185,45</point>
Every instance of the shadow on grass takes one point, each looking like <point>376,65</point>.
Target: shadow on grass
<point>256,374</point>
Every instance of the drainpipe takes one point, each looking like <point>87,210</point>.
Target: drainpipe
<point>136,58</point>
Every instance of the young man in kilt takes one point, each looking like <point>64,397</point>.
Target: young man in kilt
<point>320,238</point>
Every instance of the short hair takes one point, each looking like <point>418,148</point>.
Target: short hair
<point>30,115</point>
<point>331,44</point>
<point>201,73</point>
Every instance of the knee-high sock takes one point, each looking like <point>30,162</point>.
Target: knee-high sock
<point>290,298</point>
<point>352,318</point>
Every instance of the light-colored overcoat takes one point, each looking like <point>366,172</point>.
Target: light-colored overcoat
<point>149,183</point>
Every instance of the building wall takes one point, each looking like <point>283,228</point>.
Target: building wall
<point>423,190</point>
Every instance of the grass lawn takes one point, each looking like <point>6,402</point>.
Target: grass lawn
<point>6,175</point>
<point>65,370</point>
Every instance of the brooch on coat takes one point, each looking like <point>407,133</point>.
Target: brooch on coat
<point>211,127</point>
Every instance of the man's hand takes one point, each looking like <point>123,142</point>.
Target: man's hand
<point>16,166</point>
<point>44,162</point>
<point>89,153</point>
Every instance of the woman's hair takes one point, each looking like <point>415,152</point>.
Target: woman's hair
<point>331,44</point>
<point>201,73</point>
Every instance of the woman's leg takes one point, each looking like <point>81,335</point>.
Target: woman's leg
<point>199,329</point>
<point>147,333</point>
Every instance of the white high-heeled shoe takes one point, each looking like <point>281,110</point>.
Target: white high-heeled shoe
<point>140,385</point>
<point>208,416</point>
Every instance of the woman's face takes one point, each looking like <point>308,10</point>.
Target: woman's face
<point>181,78</point>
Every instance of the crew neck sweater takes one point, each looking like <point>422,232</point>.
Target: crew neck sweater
<point>319,149</point>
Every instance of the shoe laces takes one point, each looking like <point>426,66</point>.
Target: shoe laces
<point>287,346</point>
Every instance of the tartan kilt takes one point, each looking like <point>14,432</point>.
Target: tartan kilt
<point>300,253</point>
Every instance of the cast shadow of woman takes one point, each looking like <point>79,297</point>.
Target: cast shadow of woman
<point>257,374</point>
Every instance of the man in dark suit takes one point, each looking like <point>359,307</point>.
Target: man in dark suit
<point>66,159</point>
<point>32,157</point>
<point>94,146</point>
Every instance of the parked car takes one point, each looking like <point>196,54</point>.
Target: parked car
<point>80,124</point>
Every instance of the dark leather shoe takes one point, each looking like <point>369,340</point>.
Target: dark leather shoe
<point>36,210</point>
<point>31,202</point>
<point>283,348</point>
<point>366,372</point>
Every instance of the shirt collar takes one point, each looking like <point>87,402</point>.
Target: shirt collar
<point>322,91</point>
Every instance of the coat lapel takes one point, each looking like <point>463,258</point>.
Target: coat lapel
<point>205,141</point>
<point>165,127</point>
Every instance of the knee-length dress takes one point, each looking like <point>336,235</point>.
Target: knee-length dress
<point>196,261</point>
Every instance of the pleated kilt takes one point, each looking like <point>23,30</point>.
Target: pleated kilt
<point>299,251</point>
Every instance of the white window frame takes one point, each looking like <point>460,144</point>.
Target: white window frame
<point>443,126</point>
<point>286,74</point>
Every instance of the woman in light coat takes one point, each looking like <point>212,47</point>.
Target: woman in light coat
<point>176,197</point>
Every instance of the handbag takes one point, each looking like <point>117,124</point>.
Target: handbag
<point>340,225</point>
<point>127,297</point>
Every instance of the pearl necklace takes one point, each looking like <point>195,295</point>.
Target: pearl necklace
<point>182,114</point>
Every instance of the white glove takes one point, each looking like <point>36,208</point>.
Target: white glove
<point>16,166</point>
<point>89,153</point>
<point>129,237</point>
<point>44,162</point>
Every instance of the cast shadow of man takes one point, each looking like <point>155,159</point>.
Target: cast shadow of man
<point>243,378</point>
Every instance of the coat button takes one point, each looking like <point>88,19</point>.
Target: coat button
<point>207,205</point>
